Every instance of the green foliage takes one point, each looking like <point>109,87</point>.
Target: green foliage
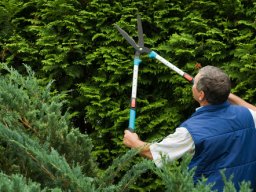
<point>38,111</point>
<point>74,45</point>
<point>41,150</point>
<point>44,166</point>
<point>17,183</point>
<point>176,176</point>
<point>37,139</point>
<point>229,186</point>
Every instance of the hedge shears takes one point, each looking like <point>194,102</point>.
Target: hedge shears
<point>140,48</point>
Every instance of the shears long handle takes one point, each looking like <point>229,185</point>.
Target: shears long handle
<point>132,119</point>
<point>186,76</point>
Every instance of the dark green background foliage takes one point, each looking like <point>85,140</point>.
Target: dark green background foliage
<point>74,44</point>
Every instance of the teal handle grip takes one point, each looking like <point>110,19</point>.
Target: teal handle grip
<point>136,61</point>
<point>152,55</point>
<point>132,120</point>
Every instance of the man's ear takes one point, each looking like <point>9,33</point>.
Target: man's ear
<point>201,96</point>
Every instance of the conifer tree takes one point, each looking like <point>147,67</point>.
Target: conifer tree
<point>37,139</point>
<point>73,44</point>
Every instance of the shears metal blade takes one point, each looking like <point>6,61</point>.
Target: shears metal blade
<point>140,46</point>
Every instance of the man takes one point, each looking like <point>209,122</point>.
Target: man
<point>221,134</point>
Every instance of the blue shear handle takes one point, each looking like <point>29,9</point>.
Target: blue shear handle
<point>152,55</point>
<point>136,61</point>
<point>132,120</point>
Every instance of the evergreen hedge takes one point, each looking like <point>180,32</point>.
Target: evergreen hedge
<point>74,44</point>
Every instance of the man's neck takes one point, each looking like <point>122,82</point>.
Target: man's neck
<point>203,103</point>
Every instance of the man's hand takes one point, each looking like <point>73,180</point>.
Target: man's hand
<point>132,140</point>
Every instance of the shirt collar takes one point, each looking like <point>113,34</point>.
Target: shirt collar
<point>212,107</point>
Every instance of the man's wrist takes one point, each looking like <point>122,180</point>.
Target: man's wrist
<point>138,144</point>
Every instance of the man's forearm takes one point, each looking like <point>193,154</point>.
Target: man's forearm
<point>239,101</point>
<point>144,148</point>
<point>145,151</point>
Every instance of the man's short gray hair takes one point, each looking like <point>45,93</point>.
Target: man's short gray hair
<point>215,83</point>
